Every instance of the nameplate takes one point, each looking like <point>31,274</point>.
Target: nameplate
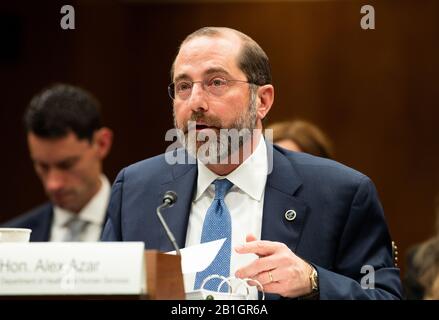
<point>76,268</point>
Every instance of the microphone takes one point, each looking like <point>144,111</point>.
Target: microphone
<point>169,199</point>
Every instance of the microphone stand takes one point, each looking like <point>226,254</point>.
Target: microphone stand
<point>171,237</point>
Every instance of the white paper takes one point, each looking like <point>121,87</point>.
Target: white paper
<point>199,257</point>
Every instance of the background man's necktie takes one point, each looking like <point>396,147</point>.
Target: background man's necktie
<point>75,227</point>
<point>217,225</point>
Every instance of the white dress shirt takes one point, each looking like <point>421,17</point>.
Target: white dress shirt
<point>245,201</point>
<point>93,212</point>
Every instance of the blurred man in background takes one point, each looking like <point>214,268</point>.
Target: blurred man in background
<point>67,145</point>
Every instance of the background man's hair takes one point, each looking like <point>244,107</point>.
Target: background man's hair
<point>60,109</point>
<point>252,59</point>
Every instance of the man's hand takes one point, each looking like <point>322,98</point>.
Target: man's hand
<point>278,269</point>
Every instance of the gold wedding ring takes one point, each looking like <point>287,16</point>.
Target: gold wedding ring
<point>271,276</point>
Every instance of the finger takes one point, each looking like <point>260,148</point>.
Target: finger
<point>265,277</point>
<point>253,283</point>
<point>259,247</point>
<point>270,276</point>
<point>258,266</point>
<point>273,287</point>
<point>250,237</point>
<point>259,280</point>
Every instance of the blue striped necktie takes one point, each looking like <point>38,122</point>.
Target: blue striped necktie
<point>217,225</point>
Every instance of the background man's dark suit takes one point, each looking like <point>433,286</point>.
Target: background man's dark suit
<point>38,219</point>
<point>340,225</point>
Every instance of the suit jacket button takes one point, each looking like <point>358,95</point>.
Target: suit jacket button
<point>290,215</point>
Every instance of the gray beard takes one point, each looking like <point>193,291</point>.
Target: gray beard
<point>214,148</point>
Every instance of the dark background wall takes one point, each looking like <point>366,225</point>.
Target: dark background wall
<point>374,92</point>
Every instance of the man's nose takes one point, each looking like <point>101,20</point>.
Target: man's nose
<point>54,180</point>
<point>198,98</point>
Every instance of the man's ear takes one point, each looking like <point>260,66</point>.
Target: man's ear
<point>266,99</point>
<point>103,140</point>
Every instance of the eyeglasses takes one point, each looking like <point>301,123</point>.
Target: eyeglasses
<point>182,89</point>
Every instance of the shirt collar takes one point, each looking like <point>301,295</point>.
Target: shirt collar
<point>250,176</point>
<point>93,212</point>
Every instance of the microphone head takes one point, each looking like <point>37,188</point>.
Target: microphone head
<point>170,198</point>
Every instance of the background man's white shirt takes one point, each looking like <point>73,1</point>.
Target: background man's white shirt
<point>94,213</point>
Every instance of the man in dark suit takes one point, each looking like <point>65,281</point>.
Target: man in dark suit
<point>317,226</point>
<point>67,144</point>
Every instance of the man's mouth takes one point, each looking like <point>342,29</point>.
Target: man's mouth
<point>202,126</point>
<point>60,196</point>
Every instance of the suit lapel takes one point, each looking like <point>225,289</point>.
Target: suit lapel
<point>280,196</point>
<point>282,184</point>
<point>41,229</point>
<point>183,182</point>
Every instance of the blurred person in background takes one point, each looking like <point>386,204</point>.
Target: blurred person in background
<point>302,136</point>
<point>421,279</point>
<point>67,144</point>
